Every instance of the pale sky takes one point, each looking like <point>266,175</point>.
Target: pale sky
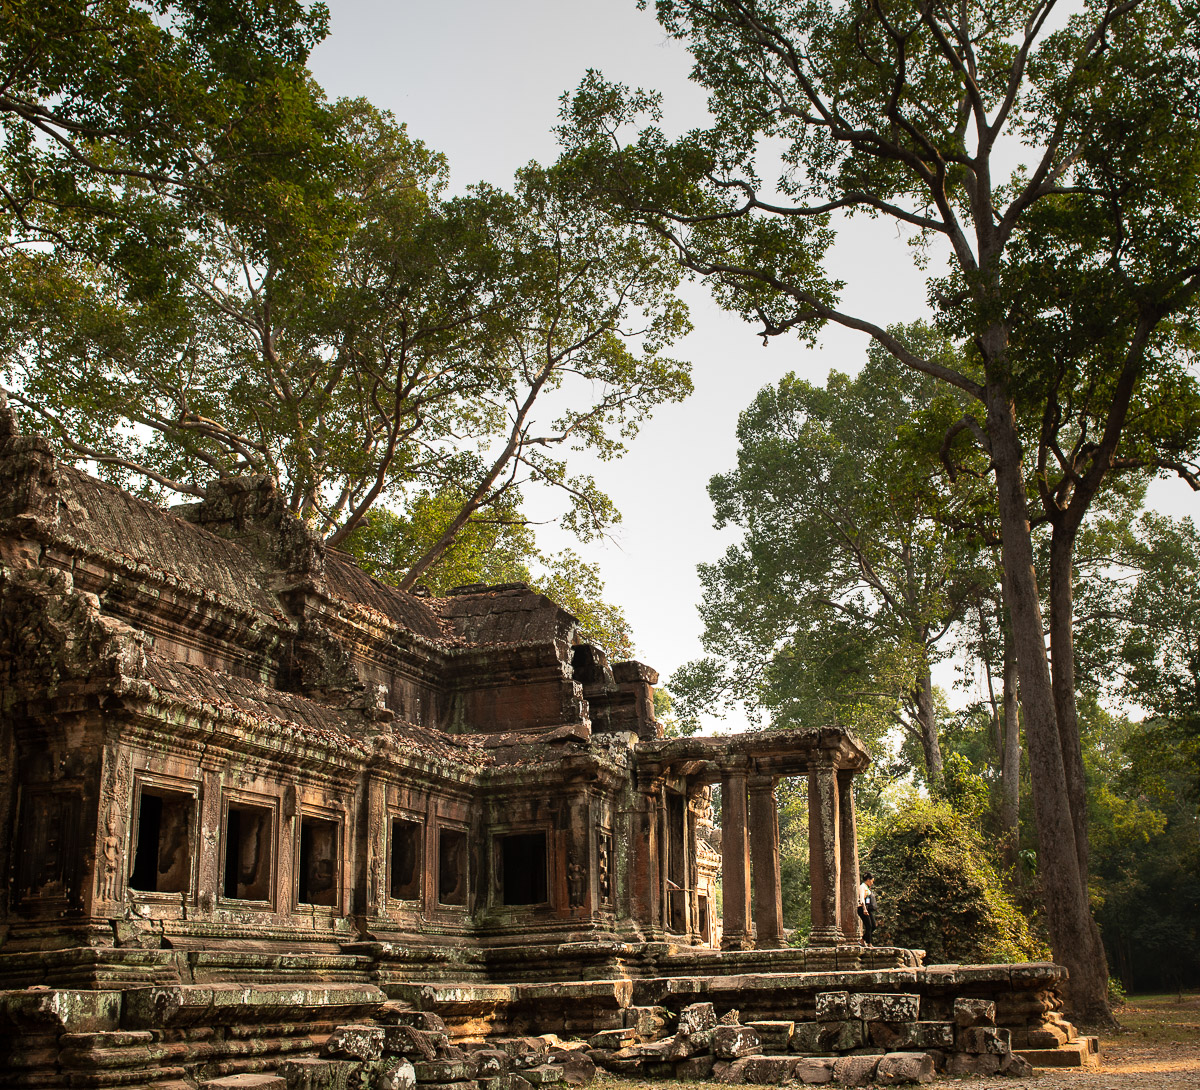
<point>480,81</point>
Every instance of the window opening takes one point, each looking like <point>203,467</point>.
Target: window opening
<point>318,862</point>
<point>452,867</point>
<point>523,863</point>
<point>406,860</point>
<point>248,853</point>
<point>163,860</point>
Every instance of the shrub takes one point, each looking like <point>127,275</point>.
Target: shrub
<point>939,890</point>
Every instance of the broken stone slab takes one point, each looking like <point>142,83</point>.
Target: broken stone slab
<point>813,1070</point>
<point>731,1017</point>
<point>398,1075</point>
<point>897,1068</point>
<point>1016,1067</point>
<point>310,1074</point>
<point>696,1018</point>
<point>245,1081</point>
<point>695,1068</point>
<point>403,1040</point>
<point>775,1036</point>
<point>764,1070</point>
<point>985,1039</point>
<point>59,1010</point>
<point>391,1013</point>
<point>855,1070</point>
<point>490,1062</point>
<point>833,1006</point>
<point>356,1042</point>
<point>523,1051</point>
<point>544,1074</point>
<point>885,1006</point>
<point>684,1046</point>
<point>612,1039</point>
<point>974,1012</point>
<point>731,1042</point>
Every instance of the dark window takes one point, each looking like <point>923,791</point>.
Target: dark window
<point>406,860</point>
<point>248,853</point>
<point>523,863</point>
<point>318,883</point>
<point>162,862</point>
<point>452,867</point>
<point>702,923</point>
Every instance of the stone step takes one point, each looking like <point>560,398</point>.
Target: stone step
<point>1082,1052</point>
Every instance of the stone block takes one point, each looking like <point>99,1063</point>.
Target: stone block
<point>397,1074</point>
<point>833,1006</point>
<point>767,1070</point>
<point>355,1042</point>
<point>307,1074</point>
<point>806,1037</point>
<point>985,1039</point>
<point>813,1071</point>
<point>612,1039</point>
<point>684,1046</point>
<point>904,1067</point>
<point>441,1070</point>
<point>659,1069</point>
<point>577,1068</point>
<point>885,1007</point>
<point>732,1042</point>
<point>844,1036</point>
<point>1016,1067</point>
<point>246,1082</point>
<point>974,1012</point>
<point>697,1017</point>
<point>775,1036</point>
<point>649,1023</point>
<point>523,1051</point>
<point>656,1051</point>
<point>903,1036</point>
<point>424,1020</point>
<point>544,1074</point>
<point>694,1069</point>
<point>403,1040</point>
<point>730,1018</point>
<point>490,1062</point>
<point>855,1070</point>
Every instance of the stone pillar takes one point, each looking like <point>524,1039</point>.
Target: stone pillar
<point>664,861</point>
<point>735,862</point>
<point>823,828</point>
<point>848,843</point>
<point>644,882</point>
<point>764,855</point>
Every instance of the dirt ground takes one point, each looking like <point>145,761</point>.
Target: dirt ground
<point>1157,1048</point>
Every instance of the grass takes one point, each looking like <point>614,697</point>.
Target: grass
<point>1162,1019</point>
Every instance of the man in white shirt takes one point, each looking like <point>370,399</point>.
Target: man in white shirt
<point>866,907</point>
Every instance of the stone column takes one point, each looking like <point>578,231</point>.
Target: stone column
<point>664,861</point>
<point>823,828</point>
<point>764,855</point>
<point>735,861</point>
<point>848,842</point>
<point>644,883</point>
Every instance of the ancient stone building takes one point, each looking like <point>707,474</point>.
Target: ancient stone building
<point>248,792</point>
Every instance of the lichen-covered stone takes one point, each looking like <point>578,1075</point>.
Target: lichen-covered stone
<point>696,1017</point>
<point>885,1007</point>
<point>974,1012</point>
<point>356,1042</point>
<point>984,1039</point>
<point>731,1042</point>
<point>775,1036</point>
<point>833,1006</point>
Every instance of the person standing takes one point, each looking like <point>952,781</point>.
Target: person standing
<point>866,906</point>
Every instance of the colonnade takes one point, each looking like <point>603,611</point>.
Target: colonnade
<point>750,838</point>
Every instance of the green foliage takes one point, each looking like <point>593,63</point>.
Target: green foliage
<point>853,565</point>
<point>939,890</point>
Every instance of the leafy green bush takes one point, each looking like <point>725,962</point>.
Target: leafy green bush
<point>939,890</point>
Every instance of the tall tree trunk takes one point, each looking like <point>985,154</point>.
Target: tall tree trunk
<point>927,721</point>
<point>1072,933</point>
<point>1010,757</point>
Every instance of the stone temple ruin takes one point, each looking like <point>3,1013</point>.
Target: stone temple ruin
<point>266,821</point>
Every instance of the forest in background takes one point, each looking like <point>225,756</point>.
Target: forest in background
<point>211,270</point>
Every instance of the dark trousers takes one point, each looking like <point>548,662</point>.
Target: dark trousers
<point>868,922</point>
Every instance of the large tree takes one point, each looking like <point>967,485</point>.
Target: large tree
<point>856,559</point>
<point>1071,282</point>
<point>290,291</point>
